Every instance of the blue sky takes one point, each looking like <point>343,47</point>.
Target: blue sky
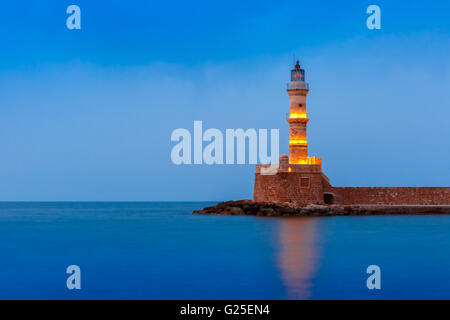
<point>87,114</point>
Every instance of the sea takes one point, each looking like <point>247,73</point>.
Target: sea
<point>160,250</point>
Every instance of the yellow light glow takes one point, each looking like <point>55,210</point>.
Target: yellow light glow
<point>290,169</point>
<point>301,141</point>
<point>308,160</point>
<point>296,115</point>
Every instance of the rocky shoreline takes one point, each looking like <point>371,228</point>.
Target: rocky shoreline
<point>251,208</point>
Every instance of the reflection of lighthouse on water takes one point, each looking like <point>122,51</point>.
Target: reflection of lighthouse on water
<point>298,256</point>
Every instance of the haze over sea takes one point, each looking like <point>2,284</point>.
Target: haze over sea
<point>160,250</point>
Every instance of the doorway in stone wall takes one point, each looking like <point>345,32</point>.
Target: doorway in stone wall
<point>328,198</point>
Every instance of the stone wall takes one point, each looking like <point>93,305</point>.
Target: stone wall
<point>392,196</point>
<point>303,188</point>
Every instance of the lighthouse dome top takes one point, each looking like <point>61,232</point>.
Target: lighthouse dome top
<point>297,74</point>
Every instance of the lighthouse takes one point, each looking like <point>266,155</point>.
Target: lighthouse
<point>298,118</point>
<point>299,180</point>
<point>299,177</point>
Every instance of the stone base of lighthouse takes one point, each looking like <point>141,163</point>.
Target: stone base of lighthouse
<point>300,184</point>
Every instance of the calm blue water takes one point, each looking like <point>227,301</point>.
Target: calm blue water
<point>162,251</point>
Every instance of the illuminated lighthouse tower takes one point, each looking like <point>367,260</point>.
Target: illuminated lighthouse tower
<point>298,118</point>
<point>298,178</point>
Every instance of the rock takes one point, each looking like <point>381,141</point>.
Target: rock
<point>305,211</point>
<point>287,210</point>
<point>236,211</point>
<point>266,212</point>
<point>247,207</point>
